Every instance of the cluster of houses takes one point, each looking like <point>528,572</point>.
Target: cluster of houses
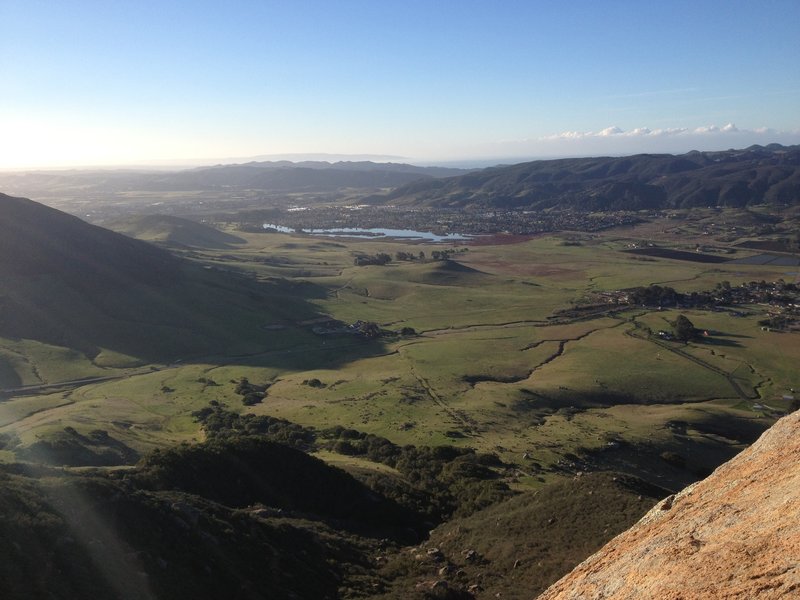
<point>775,294</point>
<point>443,221</point>
<point>366,329</point>
<point>781,299</point>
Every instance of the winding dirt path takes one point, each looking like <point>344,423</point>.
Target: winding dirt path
<point>457,417</point>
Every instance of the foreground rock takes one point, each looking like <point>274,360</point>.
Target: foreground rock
<point>734,535</point>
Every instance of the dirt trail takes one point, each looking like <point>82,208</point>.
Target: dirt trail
<point>28,390</point>
<point>437,399</point>
<point>482,327</point>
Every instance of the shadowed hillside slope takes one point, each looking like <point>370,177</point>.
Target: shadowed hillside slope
<point>519,546</point>
<point>646,181</point>
<point>110,535</point>
<point>70,284</point>
<point>241,516</point>
<point>38,241</point>
<point>734,535</point>
<point>176,231</point>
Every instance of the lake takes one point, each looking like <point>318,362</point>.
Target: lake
<point>375,232</point>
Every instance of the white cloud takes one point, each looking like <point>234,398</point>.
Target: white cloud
<point>570,135</point>
<point>669,132</point>
<point>615,141</point>
<point>609,131</point>
<point>615,131</point>
<point>641,131</point>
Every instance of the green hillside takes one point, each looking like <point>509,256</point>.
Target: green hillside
<point>244,517</point>
<point>176,231</point>
<point>117,301</point>
<point>516,548</point>
<point>732,178</point>
<point>108,536</point>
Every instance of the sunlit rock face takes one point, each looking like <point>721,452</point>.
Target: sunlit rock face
<point>734,535</point>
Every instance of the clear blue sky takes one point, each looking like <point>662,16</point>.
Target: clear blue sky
<point>119,81</point>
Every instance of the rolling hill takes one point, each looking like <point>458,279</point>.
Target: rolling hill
<point>271,176</point>
<point>73,285</point>
<point>242,516</point>
<point>141,536</point>
<point>175,231</point>
<point>738,178</point>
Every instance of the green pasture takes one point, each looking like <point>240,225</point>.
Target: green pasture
<point>144,411</point>
<point>489,367</point>
<point>765,361</point>
<point>377,395</point>
<point>28,362</point>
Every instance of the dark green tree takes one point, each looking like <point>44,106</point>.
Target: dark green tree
<point>684,328</point>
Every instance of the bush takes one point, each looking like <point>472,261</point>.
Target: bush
<point>674,459</point>
<point>252,398</point>
<point>347,448</point>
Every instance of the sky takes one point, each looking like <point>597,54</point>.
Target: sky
<point>119,82</point>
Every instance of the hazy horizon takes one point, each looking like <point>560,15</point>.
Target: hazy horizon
<point>89,84</point>
<point>178,164</point>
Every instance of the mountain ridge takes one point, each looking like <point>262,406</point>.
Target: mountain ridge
<point>754,175</point>
<point>308,176</point>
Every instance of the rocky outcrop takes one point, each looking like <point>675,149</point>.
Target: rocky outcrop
<point>734,535</point>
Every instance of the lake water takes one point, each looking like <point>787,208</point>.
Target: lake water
<point>409,234</point>
<point>278,228</point>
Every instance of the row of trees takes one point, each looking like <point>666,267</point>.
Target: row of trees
<point>654,295</point>
<point>437,481</point>
<point>382,258</point>
<point>409,256</point>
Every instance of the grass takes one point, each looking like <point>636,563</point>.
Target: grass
<point>490,368</point>
<point>355,464</point>
<point>600,365</point>
<point>763,361</point>
<point>523,544</point>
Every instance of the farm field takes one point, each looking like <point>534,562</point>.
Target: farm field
<point>494,363</point>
